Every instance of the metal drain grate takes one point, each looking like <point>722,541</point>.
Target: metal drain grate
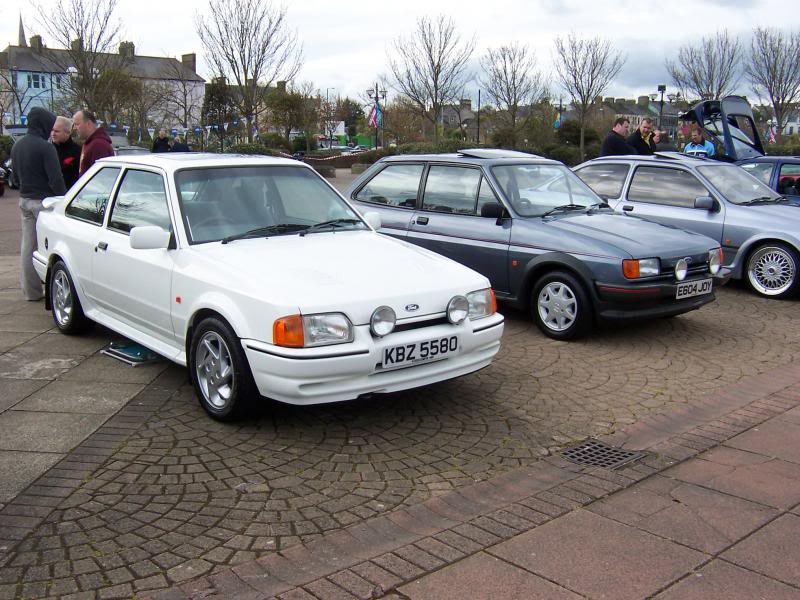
<point>598,454</point>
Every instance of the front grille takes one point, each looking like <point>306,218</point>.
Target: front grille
<point>421,324</point>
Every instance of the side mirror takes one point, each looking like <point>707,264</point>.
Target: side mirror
<point>704,203</point>
<point>492,210</point>
<point>373,219</point>
<point>149,237</point>
<point>50,202</point>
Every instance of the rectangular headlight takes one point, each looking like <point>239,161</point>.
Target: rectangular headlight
<point>641,267</point>
<point>327,328</point>
<point>482,303</point>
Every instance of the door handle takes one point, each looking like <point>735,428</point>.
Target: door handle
<point>628,208</point>
<point>422,220</point>
<point>101,246</point>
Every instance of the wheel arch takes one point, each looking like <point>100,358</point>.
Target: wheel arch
<point>554,261</point>
<point>746,250</point>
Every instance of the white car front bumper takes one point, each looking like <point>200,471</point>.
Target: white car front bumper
<point>347,371</point>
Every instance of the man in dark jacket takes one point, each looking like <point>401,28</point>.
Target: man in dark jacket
<point>615,144</point>
<point>38,174</point>
<point>96,142</point>
<point>644,139</point>
<point>69,153</point>
<point>178,145</point>
<point>161,143</point>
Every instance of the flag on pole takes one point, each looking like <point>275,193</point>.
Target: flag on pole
<point>772,134</point>
<point>376,116</point>
<point>151,131</point>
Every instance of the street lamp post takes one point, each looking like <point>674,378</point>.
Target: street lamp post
<point>329,116</point>
<point>661,88</point>
<point>377,95</point>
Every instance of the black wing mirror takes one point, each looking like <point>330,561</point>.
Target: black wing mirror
<point>705,203</point>
<point>492,210</point>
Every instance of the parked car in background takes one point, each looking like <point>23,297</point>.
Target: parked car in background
<point>759,231</point>
<point>126,150</point>
<point>542,237</point>
<point>3,180</point>
<point>9,168</point>
<point>257,275</point>
<point>781,173</point>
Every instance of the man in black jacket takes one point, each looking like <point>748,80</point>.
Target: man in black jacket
<point>644,139</point>
<point>38,174</point>
<point>69,153</point>
<point>161,143</point>
<point>615,144</point>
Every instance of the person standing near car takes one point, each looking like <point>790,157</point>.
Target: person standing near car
<point>38,174</point>
<point>178,145</point>
<point>96,142</point>
<point>699,146</point>
<point>161,143</point>
<point>644,139</point>
<point>69,153</point>
<point>615,143</point>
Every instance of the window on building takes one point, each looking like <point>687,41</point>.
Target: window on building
<point>35,81</point>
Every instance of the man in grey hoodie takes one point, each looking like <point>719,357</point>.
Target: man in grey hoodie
<point>37,172</point>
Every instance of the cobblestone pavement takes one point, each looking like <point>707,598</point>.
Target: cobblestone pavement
<point>161,494</point>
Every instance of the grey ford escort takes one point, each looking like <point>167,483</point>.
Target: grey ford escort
<point>545,240</point>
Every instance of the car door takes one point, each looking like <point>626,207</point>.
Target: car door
<point>449,222</point>
<point>84,226</point>
<point>135,285</point>
<point>667,195</point>
<point>392,193</point>
<point>788,182</point>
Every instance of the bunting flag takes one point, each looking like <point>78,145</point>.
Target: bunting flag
<point>151,131</point>
<point>376,116</point>
<point>225,126</point>
<point>140,134</point>
<point>772,135</point>
<point>23,119</point>
<point>557,123</point>
<point>127,128</point>
<point>100,122</point>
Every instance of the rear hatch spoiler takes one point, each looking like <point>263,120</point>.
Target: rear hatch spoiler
<point>729,125</point>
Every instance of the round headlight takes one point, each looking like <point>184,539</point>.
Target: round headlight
<point>714,261</point>
<point>382,321</point>
<point>457,309</point>
<point>681,269</point>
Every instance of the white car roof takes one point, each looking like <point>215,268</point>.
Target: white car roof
<point>172,161</point>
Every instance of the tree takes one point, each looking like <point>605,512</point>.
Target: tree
<point>431,66</point>
<point>14,96</point>
<point>249,43</point>
<point>219,107</point>
<point>147,100</point>
<point>405,122</point>
<point>285,109</point>
<point>773,67</point>
<point>182,103</point>
<point>708,70</point>
<point>511,81</point>
<point>328,116</point>
<point>88,32</point>
<point>585,68</point>
<point>352,113</point>
<point>115,91</point>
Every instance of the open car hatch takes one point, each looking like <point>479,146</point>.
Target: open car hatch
<point>729,125</point>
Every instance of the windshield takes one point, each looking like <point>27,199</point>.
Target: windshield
<point>535,189</point>
<point>736,184</point>
<point>218,203</point>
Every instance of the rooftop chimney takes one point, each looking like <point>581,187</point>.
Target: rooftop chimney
<point>36,43</point>
<point>127,50</point>
<point>643,101</point>
<point>280,86</point>
<point>189,61</point>
<point>76,45</point>
<point>466,104</point>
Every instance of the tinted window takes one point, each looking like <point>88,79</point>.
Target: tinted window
<point>451,189</point>
<point>486,195</point>
<point>761,171</point>
<point>789,180</point>
<point>141,200</point>
<point>396,185</point>
<point>534,189</point>
<point>605,180</point>
<point>665,186</point>
<point>90,203</point>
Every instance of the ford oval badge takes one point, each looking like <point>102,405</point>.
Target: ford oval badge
<point>412,307</point>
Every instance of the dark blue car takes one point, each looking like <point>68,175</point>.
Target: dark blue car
<point>546,241</point>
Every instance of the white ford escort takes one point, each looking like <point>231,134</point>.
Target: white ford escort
<point>256,274</point>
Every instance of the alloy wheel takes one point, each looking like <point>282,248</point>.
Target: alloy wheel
<point>214,368</point>
<point>62,298</point>
<point>771,270</point>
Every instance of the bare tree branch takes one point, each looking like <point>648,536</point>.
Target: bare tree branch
<point>773,67</point>
<point>183,97</point>
<point>431,66</point>
<point>585,68</point>
<point>249,43</point>
<point>709,70</point>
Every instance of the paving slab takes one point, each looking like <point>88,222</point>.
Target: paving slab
<point>27,320</point>
<point>773,551</point>
<point>757,478</point>
<point>12,339</point>
<point>12,391</point>
<point>79,397</point>
<point>25,366</point>
<point>484,577</point>
<point>600,558</point>
<point>102,368</point>
<point>720,580</point>
<point>55,342</point>
<point>792,415</point>
<point>19,469</point>
<point>697,517</point>
<point>46,432</point>
<point>776,438</point>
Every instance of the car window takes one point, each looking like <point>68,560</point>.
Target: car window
<point>534,189</point>
<point>486,195</point>
<point>451,190</point>
<point>141,200</point>
<point>789,180</point>
<point>605,180</point>
<point>658,185</point>
<point>736,185</point>
<point>90,203</point>
<point>761,171</point>
<point>396,185</point>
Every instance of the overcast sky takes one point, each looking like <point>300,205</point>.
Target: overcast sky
<point>345,44</point>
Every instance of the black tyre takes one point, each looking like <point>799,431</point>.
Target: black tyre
<point>219,370</point>
<point>772,270</point>
<point>64,302</point>
<point>560,306</point>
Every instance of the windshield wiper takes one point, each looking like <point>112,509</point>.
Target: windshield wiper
<point>332,223</point>
<point>265,231</point>
<point>765,200</point>
<point>563,208</point>
<point>598,206</point>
